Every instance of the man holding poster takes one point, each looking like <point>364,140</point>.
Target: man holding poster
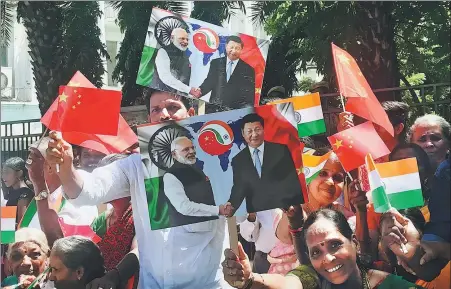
<point>263,171</point>
<point>230,79</point>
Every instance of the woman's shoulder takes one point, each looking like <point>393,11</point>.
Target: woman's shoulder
<point>25,193</point>
<point>308,276</point>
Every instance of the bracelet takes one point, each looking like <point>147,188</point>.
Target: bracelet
<point>294,231</point>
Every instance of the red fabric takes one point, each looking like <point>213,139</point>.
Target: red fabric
<point>117,241</point>
<point>279,130</point>
<point>82,230</point>
<point>252,55</point>
<point>353,144</point>
<point>86,110</point>
<point>353,85</point>
<point>107,144</point>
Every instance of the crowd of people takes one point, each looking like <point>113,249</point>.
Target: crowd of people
<point>335,240</point>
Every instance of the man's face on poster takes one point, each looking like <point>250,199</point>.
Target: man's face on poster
<point>184,152</point>
<point>165,106</point>
<point>233,50</point>
<point>180,38</point>
<point>253,134</point>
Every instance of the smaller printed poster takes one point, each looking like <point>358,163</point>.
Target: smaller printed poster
<point>200,60</point>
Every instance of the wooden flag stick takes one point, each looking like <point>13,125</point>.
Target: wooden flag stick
<point>233,234</point>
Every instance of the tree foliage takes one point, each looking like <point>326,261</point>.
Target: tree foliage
<point>389,40</point>
<point>215,12</point>
<point>83,48</point>
<point>43,23</point>
<point>133,20</point>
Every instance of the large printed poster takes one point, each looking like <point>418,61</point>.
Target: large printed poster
<point>221,164</point>
<point>200,60</point>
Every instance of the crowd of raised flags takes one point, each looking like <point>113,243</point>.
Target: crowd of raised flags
<point>394,184</point>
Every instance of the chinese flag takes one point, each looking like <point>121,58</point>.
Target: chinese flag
<point>86,110</point>
<point>353,144</point>
<point>353,85</point>
<point>252,55</point>
<point>278,129</point>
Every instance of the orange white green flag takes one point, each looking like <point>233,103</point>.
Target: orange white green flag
<point>394,184</point>
<point>8,223</point>
<point>313,165</point>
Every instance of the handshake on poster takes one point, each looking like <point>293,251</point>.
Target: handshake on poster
<point>226,210</point>
<point>196,92</point>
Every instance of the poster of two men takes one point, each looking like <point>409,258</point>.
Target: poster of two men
<point>197,59</point>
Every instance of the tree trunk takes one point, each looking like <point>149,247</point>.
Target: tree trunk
<point>375,49</point>
<point>43,22</point>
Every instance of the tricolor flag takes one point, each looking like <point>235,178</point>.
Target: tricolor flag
<point>394,184</point>
<point>78,229</point>
<point>313,165</point>
<point>308,114</point>
<point>8,223</point>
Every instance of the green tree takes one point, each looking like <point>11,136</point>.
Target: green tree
<point>43,23</point>
<point>133,20</point>
<point>215,12</point>
<point>83,49</point>
<point>6,22</point>
<point>370,31</point>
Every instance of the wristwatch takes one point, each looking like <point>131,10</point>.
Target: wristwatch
<point>44,194</point>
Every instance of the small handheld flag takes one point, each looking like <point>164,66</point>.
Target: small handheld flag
<point>8,223</point>
<point>313,165</point>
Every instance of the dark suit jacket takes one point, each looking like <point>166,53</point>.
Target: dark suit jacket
<point>238,92</point>
<point>278,187</point>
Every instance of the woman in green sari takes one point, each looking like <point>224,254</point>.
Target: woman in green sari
<point>329,249</point>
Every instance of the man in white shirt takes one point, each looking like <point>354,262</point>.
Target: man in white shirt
<point>172,67</point>
<point>258,228</point>
<point>188,189</point>
<point>181,257</point>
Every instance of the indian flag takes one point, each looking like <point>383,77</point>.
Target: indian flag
<point>8,224</point>
<point>31,220</point>
<point>313,165</point>
<point>309,115</point>
<point>394,184</point>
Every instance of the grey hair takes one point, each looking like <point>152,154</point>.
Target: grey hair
<point>175,142</point>
<point>176,30</point>
<point>78,251</point>
<point>33,235</point>
<point>431,119</point>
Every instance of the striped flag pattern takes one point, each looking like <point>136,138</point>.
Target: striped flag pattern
<point>309,115</point>
<point>8,223</point>
<point>313,165</point>
<point>394,184</point>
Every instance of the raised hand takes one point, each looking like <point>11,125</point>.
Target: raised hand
<point>59,151</point>
<point>357,197</point>
<point>35,166</point>
<point>345,121</point>
<point>236,269</point>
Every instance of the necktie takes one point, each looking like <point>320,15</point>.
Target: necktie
<point>229,70</point>
<point>258,164</point>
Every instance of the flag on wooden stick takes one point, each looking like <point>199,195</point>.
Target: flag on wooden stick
<point>8,223</point>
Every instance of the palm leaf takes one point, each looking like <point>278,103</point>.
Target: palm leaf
<point>6,22</point>
<point>260,10</point>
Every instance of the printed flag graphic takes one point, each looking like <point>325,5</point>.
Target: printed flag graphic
<point>313,165</point>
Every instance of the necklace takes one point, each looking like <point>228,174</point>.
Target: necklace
<point>364,276</point>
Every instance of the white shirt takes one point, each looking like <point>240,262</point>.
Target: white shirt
<point>261,231</point>
<point>261,149</point>
<point>182,257</point>
<point>162,64</point>
<point>175,192</point>
<point>235,62</point>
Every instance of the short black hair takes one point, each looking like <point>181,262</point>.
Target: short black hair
<point>252,117</point>
<point>148,92</point>
<point>397,112</point>
<point>236,39</point>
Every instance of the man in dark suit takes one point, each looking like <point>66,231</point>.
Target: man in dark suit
<point>230,80</point>
<point>264,172</point>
